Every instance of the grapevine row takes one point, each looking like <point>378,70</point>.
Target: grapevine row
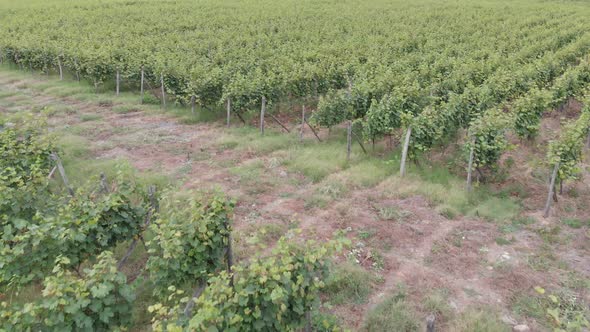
<point>190,244</point>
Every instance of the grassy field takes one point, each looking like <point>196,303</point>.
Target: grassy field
<point>421,244</point>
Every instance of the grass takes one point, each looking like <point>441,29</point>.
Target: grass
<point>317,161</point>
<point>366,173</point>
<point>150,99</point>
<point>258,235</point>
<point>59,109</point>
<point>576,281</point>
<point>18,295</point>
<point>502,241</point>
<point>80,165</point>
<point>452,194</point>
<point>315,201</point>
<point>516,224</point>
<point>513,190</point>
<point>124,103</point>
<point>543,259</point>
<point>348,283</point>
<point>393,314</point>
<point>270,232</point>
<point>496,209</point>
<point>90,117</point>
<point>143,298</point>
<point>479,320</point>
<point>250,139</point>
<point>392,213</point>
<point>448,195</point>
<point>66,89</point>
<point>447,211</point>
<point>104,102</point>
<point>574,222</point>
<point>437,303</point>
<point>249,173</point>
<point>484,202</point>
<point>74,146</point>
<point>528,306</point>
<point>550,235</point>
<point>332,189</point>
<point>366,234</point>
<point>252,176</point>
<point>201,114</point>
<point>124,109</point>
<point>6,94</point>
<point>566,304</point>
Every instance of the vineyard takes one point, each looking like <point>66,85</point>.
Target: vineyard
<point>49,234</point>
<point>355,165</point>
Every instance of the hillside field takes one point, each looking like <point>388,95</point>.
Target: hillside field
<point>307,165</point>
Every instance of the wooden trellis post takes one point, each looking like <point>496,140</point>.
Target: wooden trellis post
<point>62,173</point>
<point>470,165</point>
<point>118,81</point>
<point>196,294</point>
<point>551,189</point>
<point>153,209</point>
<point>77,71</point>
<point>141,84</point>
<point>163,91</point>
<point>17,61</point>
<point>348,140</point>
<point>430,323</point>
<point>262,111</point>
<point>402,169</point>
<point>61,73</point>
<point>302,123</point>
<point>228,111</point>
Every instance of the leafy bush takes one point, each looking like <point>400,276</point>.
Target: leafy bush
<point>567,150</point>
<point>100,300</point>
<point>190,239</point>
<point>25,162</point>
<point>270,294</point>
<point>83,227</point>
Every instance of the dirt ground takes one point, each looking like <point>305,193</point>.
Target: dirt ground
<point>420,248</point>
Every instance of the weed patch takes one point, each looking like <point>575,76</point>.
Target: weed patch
<point>90,117</point>
<point>393,314</point>
<point>392,213</point>
<point>349,283</point>
<point>437,303</point>
<point>573,222</point>
<point>482,320</point>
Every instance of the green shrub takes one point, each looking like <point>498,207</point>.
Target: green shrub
<point>100,300</point>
